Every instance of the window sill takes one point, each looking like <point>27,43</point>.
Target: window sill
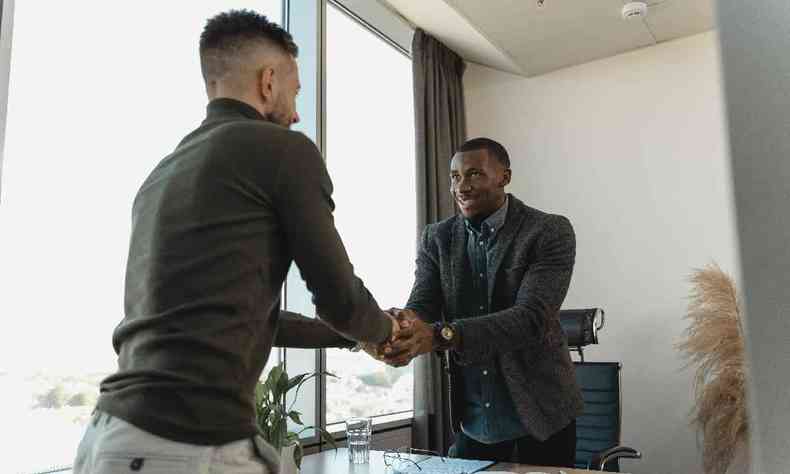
<point>381,424</point>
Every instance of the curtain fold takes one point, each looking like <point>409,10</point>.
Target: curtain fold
<point>440,128</point>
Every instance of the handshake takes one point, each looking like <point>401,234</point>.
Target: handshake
<point>411,337</point>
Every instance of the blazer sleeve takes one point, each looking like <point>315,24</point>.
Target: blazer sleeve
<point>524,325</point>
<point>426,294</point>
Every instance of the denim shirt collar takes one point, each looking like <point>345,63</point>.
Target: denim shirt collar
<point>491,225</point>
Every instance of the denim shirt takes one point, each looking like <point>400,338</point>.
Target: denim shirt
<point>489,415</point>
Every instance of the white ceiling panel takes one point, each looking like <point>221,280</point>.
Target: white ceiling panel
<point>524,37</point>
<point>461,35</point>
<point>561,33</point>
<point>673,19</point>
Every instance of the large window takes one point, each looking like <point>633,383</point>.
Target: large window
<point>370,156</point>
<point>99,93</point>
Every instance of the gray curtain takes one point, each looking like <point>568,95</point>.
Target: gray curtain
<point>440,126</point>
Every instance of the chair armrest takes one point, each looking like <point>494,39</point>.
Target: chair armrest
<point>599,460</point>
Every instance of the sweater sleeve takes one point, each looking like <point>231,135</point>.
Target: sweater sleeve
<point>297,331</point>
<point>303,200</point>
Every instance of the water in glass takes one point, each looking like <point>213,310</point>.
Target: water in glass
<point>358,431</point>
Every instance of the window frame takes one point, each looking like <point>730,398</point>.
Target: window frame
<point>380,20</point>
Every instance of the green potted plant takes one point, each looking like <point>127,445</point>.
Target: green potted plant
<point>272,413</point>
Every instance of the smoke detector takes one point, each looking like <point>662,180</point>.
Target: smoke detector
<point>635,11</point>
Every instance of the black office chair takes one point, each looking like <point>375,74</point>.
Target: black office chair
<point>598,428</point>
<point>581,327</point>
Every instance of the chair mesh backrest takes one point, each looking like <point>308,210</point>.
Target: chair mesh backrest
<point>598,428</point>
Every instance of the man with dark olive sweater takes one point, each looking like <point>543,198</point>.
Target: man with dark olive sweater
<point>215,228</point>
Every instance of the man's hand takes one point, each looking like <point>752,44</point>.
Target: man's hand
<point>410,338</point>
<point>376,351</point>
<point>404,316</point>
<point>415,338</point>
<point>396,328</point>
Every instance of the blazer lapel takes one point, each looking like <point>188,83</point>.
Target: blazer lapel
<point>515,216</point>
<point>459,264</point>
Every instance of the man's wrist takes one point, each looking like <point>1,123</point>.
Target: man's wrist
<point>445,336</point>
<point>352,345</point>
<point>355,346</point>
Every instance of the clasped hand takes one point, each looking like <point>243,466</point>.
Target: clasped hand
<point>411,337</point>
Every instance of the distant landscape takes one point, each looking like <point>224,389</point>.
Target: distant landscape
<point>54,409</point>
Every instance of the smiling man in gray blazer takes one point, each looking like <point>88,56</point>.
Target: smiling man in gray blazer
<point>488,289</point>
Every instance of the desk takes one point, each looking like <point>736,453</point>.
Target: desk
<point>336,462</point>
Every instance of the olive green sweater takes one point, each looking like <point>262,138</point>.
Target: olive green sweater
<point>215,228</point>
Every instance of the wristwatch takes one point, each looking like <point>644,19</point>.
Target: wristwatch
<point>444,335</point>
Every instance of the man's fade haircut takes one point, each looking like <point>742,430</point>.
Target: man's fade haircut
<point>493,148</point>
<point>227,35</point>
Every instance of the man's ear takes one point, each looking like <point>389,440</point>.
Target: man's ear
<point>506,178</point>
<point>266,84</point>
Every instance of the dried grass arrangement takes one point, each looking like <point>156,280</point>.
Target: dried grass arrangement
<point>714,345</point>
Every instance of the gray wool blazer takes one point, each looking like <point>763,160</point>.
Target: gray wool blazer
<point>533,264</point>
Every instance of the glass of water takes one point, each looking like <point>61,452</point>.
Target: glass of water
<point>358,431</point>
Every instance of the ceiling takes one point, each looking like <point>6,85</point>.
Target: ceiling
<point>523,37</point>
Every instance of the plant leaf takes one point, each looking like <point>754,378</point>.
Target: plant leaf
<point>263,415</point>
<point>302,382</point>
<point>327,437</point>
<point>295,416</point>
<point>282,386</point>
<point>265,392</point>
<point>274,377</point>
<point>271,415</point>
<point>293,382</point>
<point>298,454</point>
<point>274,374</point>
<point>278,432</point>
<point>260,393</point>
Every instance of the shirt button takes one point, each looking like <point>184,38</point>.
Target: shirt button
<point>488,405</point>
<point>485,372</point>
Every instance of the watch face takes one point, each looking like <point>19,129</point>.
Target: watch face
<point>447,333</point>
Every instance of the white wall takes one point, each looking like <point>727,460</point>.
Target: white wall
<point>633,150</point>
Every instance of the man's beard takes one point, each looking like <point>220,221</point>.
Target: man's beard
<point>278,118</point>
<point>279,115</point>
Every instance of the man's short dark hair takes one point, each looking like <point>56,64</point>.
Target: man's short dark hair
<point>227,33</point>
<point>493,148</point>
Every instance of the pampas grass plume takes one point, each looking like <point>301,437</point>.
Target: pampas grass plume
<point>714,345</point>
